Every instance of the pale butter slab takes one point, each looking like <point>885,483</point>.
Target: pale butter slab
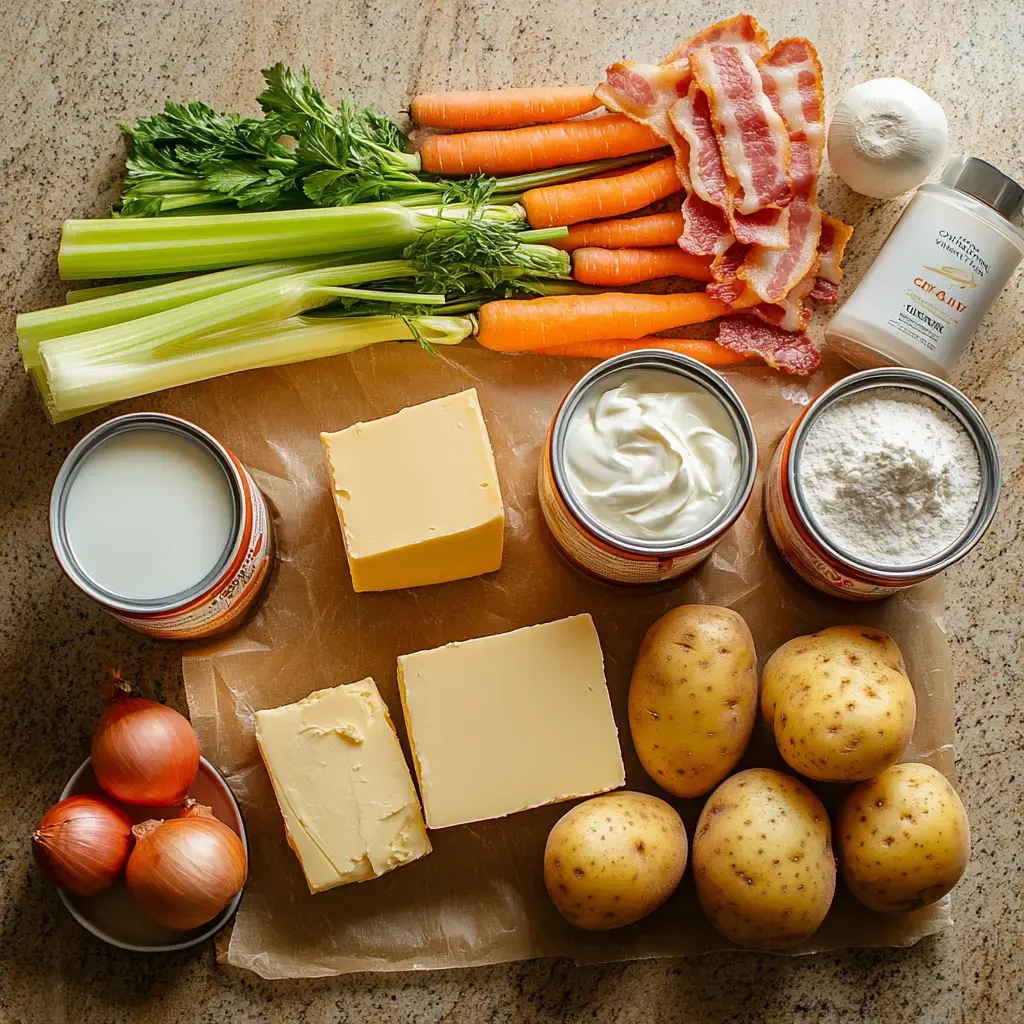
<point>508,722</point>
<point>345,792</point>
<point>417,495</point>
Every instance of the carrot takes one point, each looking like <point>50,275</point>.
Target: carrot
<point>502,108</point>
<point>624,233</point>
<point>710,353</point>
<point>538,148</point>
<point>523,325</point>
<point>601,197</point>
<point>613,267</point>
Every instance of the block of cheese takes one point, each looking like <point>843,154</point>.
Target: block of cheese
<point>349,805</point>
<point>417,495</point>
<point>508,722</point>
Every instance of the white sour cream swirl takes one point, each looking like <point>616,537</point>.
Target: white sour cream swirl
<point>652,457</point>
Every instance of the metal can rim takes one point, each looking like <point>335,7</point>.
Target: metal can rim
<point>955,402</point>
<point>58,500</point>
<point>711,381</point>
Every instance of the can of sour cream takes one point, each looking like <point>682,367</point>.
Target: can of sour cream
<point>161,525</point>
<point>650,459</point>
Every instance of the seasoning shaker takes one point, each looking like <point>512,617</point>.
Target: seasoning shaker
<point>949,255</point>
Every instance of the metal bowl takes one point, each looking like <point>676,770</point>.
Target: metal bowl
<point>111,915</point>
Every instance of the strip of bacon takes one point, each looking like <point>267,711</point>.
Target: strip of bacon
<point>772,273</point>
<point>751,134</point>
<point>791,314</point>
<point>739,30</point>
<point>646,93</point>
<point>831,248</point>
<point>783,350</point>
<point>791,75</point>
<point>727,287</point>
<point>705,229</point>
<point>825,292</point>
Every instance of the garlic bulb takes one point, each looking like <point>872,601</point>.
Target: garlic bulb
<point>886,137</point>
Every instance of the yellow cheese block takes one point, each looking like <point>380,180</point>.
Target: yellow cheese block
<point>508,722</point>
<point>417,495</point>
<point>349,805</point>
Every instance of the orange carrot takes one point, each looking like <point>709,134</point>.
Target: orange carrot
<point>624,233</point>
<point>601,197</point>
<point>710,353</point>
<point>538,148</point>
<point>523,325</point>
<point>610,268</point>
<point>502,108</point>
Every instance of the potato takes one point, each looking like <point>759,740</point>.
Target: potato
<point>840,703</point>
<point>693,698</point>
<point>904,840</point>
<point>613,859</point>
<point>762,859</point>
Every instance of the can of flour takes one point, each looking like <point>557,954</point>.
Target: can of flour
<point>817,545</point>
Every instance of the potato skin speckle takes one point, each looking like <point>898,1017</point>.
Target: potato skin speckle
<point>693,698</point>
<point>613,859</point>
<point>840,703</point>
<point>903,837</point>
<point>763,861</point>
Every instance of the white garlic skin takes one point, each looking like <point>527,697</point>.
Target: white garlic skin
<point>886,137</point>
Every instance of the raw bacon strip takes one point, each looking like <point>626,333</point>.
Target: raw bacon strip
<point>768,228</point>
<point>739,30</point>
<point>751,134</point>
<point>831,247</point>
<point>773,273</point>
<point>705,231</point>
<point>790,352</point>
<point>790,314</point>
<point>825,292</point>
<point>791,75</point>
<point>727,286</point>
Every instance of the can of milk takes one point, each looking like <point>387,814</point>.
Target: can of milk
<point>161,525</point>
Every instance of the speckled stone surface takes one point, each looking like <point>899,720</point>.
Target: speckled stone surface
<point>69,72</point>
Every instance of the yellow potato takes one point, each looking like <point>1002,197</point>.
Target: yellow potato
<point>693,697</point>
<point>762,859</point>
<point>613,859</point>
<point>840,703</point>
<point>904,840</point>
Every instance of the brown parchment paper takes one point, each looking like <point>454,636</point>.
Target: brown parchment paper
<point>479,898</point>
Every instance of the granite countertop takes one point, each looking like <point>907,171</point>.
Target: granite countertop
<point>70,73</point>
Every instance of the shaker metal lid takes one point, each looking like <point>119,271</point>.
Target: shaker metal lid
<point>980,179</point>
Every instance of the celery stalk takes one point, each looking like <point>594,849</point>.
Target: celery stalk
<point>78,384</point>
<point>99,291</point>
<point>131,247</point>
<point>138,300</point>
<point>187,326</point>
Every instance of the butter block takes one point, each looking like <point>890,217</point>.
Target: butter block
<point>417,495</point>
<point>509,722</point>
<point>348,801</point>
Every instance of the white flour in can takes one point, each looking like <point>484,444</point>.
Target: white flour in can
<point>889,476</point>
